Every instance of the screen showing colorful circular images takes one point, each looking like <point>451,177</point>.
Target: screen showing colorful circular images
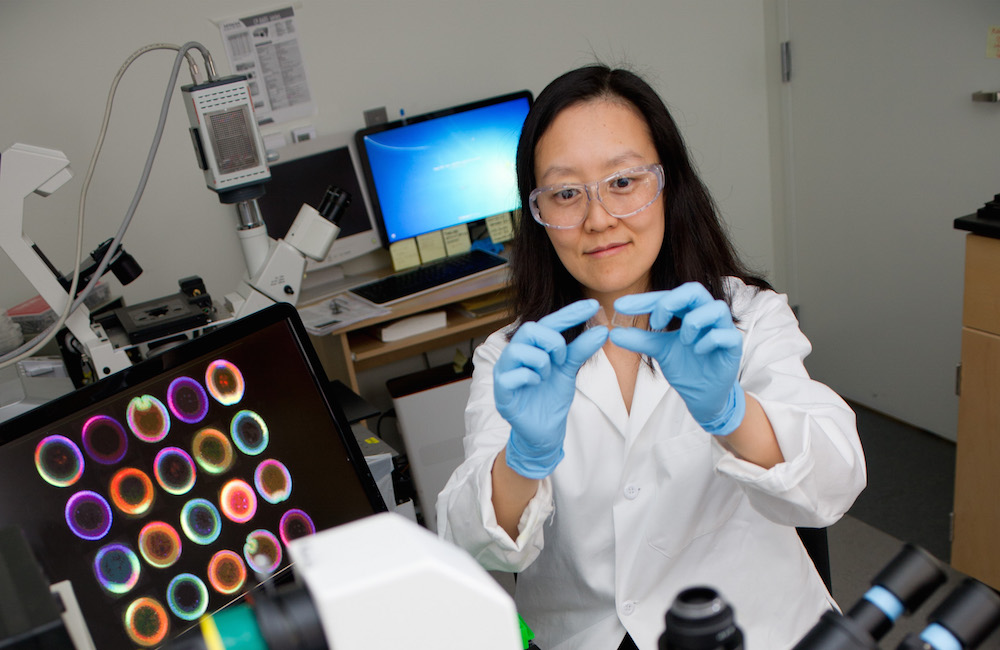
<point>192,456</point>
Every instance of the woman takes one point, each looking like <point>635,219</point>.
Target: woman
<point>611,470</point>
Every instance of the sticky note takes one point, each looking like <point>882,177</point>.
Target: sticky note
<point>404,254</point>
<point>501,227</point>
<point>456,239</point>
<point>431,246</point>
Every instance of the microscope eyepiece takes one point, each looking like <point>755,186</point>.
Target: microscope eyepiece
<point>334,202</point>
<point>699,619</point>
<point>964,619</point>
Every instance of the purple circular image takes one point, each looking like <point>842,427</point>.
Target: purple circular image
<point>104,439</point>
<point>294,524</point>
<point>187,399</point>
<point>88,515</point>
<point>174,470</point>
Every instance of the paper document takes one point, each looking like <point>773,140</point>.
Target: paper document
<point>265,49</point>
<point>339,311</point>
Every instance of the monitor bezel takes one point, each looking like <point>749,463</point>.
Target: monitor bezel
<point>362,153</point>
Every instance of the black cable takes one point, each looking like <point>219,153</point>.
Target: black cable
<point>378,423</point>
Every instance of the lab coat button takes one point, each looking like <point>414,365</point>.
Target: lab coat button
<point>628,607</point>
<point>631,491</point>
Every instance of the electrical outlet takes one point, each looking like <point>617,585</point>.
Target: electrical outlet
<point>375,116</point>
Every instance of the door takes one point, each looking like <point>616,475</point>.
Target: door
<point>884,147</point>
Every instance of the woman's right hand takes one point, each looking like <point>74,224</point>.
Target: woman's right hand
<point>534,381</point>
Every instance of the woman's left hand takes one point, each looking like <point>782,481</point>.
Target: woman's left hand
<point>700,360</point>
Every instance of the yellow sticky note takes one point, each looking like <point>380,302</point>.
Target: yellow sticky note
<point>456,239</point>
<point>431,246</point>
<point>372,441</point>
<point>993,43</point>
<point>501,227</point>
<point>404,254</point>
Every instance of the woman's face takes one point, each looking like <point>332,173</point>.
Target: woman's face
<point>586,142</point>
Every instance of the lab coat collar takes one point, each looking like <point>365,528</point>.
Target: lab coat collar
<point>598,383</point>
<point>650,389</point>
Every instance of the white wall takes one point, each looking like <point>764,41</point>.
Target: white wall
<point>714,61</point>
<point>707,58</point>
<point>886,149</point>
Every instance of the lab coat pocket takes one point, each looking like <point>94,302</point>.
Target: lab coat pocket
<point>691,500</point>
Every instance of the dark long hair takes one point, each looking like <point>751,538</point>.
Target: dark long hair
<point>695,244</point>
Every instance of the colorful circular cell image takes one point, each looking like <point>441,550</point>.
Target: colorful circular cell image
<point>226,572</point>
<point>148,418</point>
<point>131,491</point>
<point>117,568</point>
<point>262,551</point>
<point>159,544</point>
<point>272,480</point>
<point>212,451</point>
<point>200,521</point>
<point>59,461</point>
<point>225,382</point>
<point>174,470</point>
<point>295,524</point>
<point>238,501</point>
<point>187,596</point>
<point>88,515</point>
<point>249,432</point>
<point>188,400</point>
<point>146,622</point>
<point>104,439</point>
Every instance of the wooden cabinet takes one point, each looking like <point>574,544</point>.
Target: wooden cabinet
<point>977,469</point>
<point>350,350</point>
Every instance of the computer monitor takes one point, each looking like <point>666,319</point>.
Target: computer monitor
<point>162,491</point>
<point>300,175</point>
<point>445,168</point>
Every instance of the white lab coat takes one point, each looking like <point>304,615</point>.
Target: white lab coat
<point>646,503</point>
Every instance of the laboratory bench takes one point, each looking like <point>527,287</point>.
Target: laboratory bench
<point>357,347</point>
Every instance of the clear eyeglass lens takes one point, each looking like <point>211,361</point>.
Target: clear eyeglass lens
<point>622,195</point>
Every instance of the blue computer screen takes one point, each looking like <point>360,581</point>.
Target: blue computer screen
<point>444,169</point>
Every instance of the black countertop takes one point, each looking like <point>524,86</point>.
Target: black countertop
<point>986,226</point>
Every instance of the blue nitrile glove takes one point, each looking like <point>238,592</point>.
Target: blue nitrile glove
<point>534,381</point>
<point>700,360</point>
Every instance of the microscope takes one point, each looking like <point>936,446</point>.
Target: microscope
<point>230,150</point>
<point>25,169</point>
<point>701,619</point>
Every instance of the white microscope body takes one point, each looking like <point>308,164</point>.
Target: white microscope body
<point>25,169</point>
<point>229,149</point>
<point>275,268</point>
<point>384,582</point>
